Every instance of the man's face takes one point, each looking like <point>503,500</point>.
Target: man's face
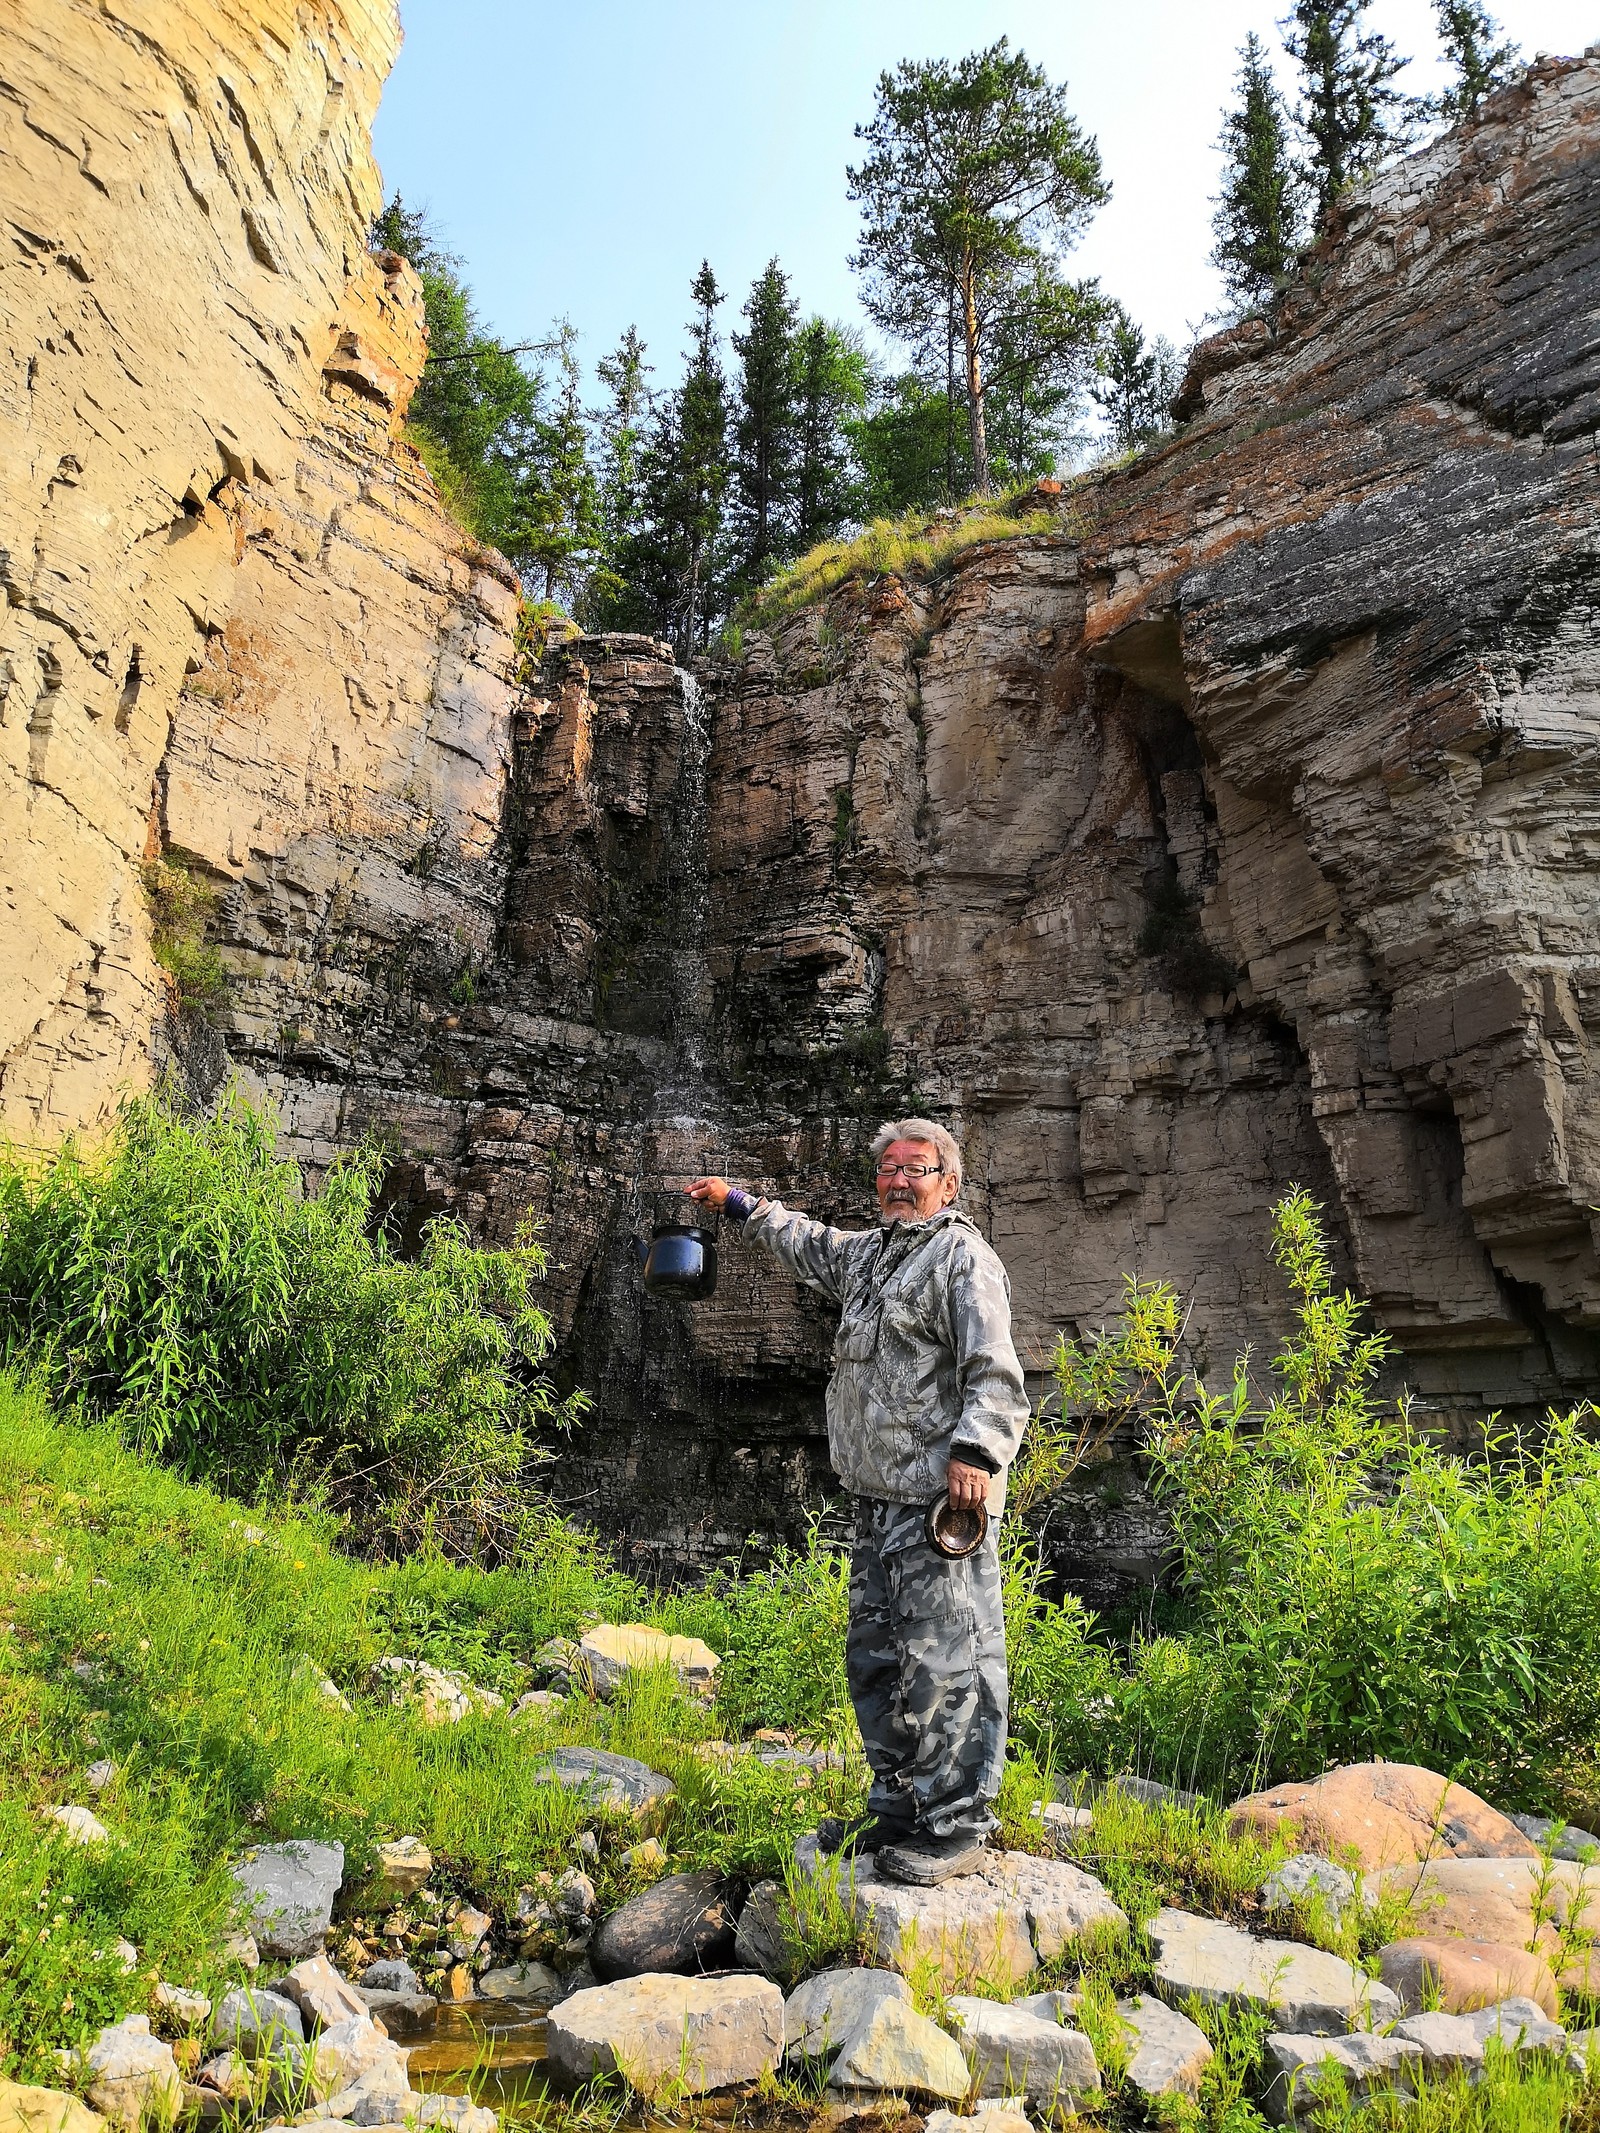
<point>912,1199</point>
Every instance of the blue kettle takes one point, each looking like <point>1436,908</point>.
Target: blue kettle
<point>680,1261</point>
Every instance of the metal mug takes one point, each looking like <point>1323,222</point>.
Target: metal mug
<point>953,1533</point>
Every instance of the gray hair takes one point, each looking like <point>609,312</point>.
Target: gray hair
<point>919,1129</point>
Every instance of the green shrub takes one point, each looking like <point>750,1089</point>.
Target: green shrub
<point>182,909</point>
<point>780,1631</point>
<point>180,1277</point>
<point>1349,1590</point>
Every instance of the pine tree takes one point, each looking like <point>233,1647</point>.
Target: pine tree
<point>1135,383</point>
<point>765,463</point>
<point>978,179</point>
<point>703,470</point>
<point>830,391</point>
<point>1468,32</point>
<point>558,531</point>
<point>620,429</point>
<point>1351,112</point>
<point>1260,215</point>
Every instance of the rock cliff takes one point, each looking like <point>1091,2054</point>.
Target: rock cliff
<point>1236,829</point>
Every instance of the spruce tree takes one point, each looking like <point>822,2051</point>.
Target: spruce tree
<point>1468,32</point>
<point>830,391</point>
<point>1135,383</point>
<point>687,480</point>
<point>1350,110</point>
<point>1260,215</point>
<point>558,527</point>
<point>765,430</point>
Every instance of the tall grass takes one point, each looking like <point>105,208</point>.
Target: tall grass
<point>181,1277</point>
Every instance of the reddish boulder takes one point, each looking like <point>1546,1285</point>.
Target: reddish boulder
<point>1382,1814</point>
<point>1460,1976</point>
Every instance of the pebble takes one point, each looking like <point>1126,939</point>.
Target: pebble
<point>78,1825</point>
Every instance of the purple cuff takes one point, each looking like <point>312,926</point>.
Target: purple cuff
<point>740,1205</point>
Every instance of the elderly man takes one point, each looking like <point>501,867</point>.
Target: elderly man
<point>926,1397</point>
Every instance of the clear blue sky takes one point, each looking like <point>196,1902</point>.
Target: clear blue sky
<point>583,159</point>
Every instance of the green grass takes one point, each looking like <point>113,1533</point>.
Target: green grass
<point>921,544</point>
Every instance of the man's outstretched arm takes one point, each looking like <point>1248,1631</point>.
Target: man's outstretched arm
<point>813,1252</point>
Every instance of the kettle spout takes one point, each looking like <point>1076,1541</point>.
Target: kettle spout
<point>641,1250</point>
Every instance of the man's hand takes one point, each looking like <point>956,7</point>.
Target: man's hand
<point>966,1486</point>
<point>713,1190</point>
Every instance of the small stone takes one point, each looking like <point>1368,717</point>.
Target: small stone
<point>320,1993</point>
<point>99,1775</point>
<point>458,2114</point>
<point>131,2072</point>
<point>536,1702</point>
<point>230,2074</point>
<point>24,2109</point>
<point>1300,2067</point>
<point>1007,2116</point>
<point>288,1891</point>
<point>574,1896</point>
<point>1050,2006</point>
<point>404,1864</point>
<point>615,1781</point>
<point>1308,1991</point>
<point>1295,1880</point>
<point>760,1942</point>
<point>346,2052</point>
<point>611,1649</point>
<point>458,1983</point>
<point>255,2022</point>
<point>824,2014</point>
<point>241,1948</point>
<point>78,1825</point>
<point>392,1974</point>
<point>1017,2053</point>
<point>704,2032</point>
<point>683,1924</point>
<point>1458,1976</point>
<point>587,1844</point>
<point>559,1657</point>
<point>1149,1794</point>
<point>901,2052</point>
<point>126,1954</point>
<point>1448,2042</point>
<point>1170,2052</point>
<point>381,2095</point>
<point>1583,2054</point>
<point>1063,1821</point>
<point>646,1858</point>
<point>441,1698</point>
<point>189,2008</point>
<point>536,1983</point>
<point>468,1931</point>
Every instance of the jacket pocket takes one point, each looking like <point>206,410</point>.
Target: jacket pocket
<point>857,1339</point>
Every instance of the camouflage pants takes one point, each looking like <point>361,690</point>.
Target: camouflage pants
<point>926,1660</point>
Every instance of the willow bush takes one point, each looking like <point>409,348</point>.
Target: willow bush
<point>180,1277</point>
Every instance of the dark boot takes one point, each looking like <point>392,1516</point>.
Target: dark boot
<point>862,1833</point>
<point>925,1861</point>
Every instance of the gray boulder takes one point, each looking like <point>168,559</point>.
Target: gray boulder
<point>1521,2025</point>
<point>1583,2053</point>
<point>130,2073</point>
<point>760,1942</point>
<point>707,2032</point>
<point>390,1975</point>
<point>288,1892</point>
<point>824,2014</point>
<point>615,1781</point>
<point>1170,2053</point>
<point>1295,1880</point>
<point>1309,1992</point>
<point>684,1924</point>
<point>535,1983</point>
<point>255,2022</point>
<point>898,2052</point>
<point>1304,2069</point>
<point>1449,2043</point>
<point>1018,2054</point>
<point>320,1993</point>
<point>1565,1839</point>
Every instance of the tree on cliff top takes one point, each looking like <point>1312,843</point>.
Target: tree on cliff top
<point>977,181</point>
<point>1135,383</point>
<point>765,439</point>
<point>1468,32</point>
<point>1351,112</point>
<point>1260,212</point>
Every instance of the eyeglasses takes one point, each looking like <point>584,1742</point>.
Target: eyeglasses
<point>911,1172</point>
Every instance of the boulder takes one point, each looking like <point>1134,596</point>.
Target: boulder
<point>320,1993</point>
<point>441,1698</point>
<point>255,2022</point>
<point>391,1975</point>
<point>691,2034</point>
<point>988,1928</point>
<point>1563,1839</point>
<point>1014,2053</point>
<point>468,1929</point>
<point>760,1941</point>
<point>1516,1903</point>
<point>130,2072</point>
<point>404,1864</point>
<point>381,2096</point>
<point>24,2109</point>
<point>1583,2058</point>
<point>346,2052</point>
<point>607,1652</point>
<point>1310,1993</point>
<point>1307,1873</point>
<point>1303,2069</point>
<point>896,2051</point>
<point>1050,2006</point>
<point>188,2008</point>
<point>458,2114</point>
<point>1449,2043</point>
<point>683,1924</point>
<point>78,1825</point>
<point>535,1983</point>
<point>1458,1976</point>
<point>823,2015</point>
<point>1169,2054</point>
<point>614,1781</point>
<point>1381,1814</point>
<point>1518,2024</point>
<point>288,1892</point>
<point>1148,1793</point>
<point>1007,2116</point>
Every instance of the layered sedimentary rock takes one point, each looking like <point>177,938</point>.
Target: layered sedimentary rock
<point>1235,830</point>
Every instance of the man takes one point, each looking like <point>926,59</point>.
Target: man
<point>926,1397</point>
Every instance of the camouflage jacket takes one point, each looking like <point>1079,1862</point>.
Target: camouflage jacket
<point>923,1359</point>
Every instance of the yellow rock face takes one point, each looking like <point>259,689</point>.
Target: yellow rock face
<point>30,2110</point>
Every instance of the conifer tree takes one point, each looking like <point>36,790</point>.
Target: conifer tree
<point>1350,109</point>
<point>765,459</point>
<point>558,530</point>
<point>1135,383</point>
<point>703,467</point>
<point>1468,32</point>
<point>1260,214</point>
<point>830,391</point>
<point>620,428</point>
<point>978,178</point>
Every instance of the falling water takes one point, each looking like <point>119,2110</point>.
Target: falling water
<point>689,1007</point>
